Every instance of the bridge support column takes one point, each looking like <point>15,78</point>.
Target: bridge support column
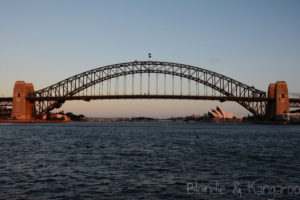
<point>22,108</point>
<point>279,103</point>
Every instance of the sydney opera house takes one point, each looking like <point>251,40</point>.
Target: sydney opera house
<point>219,113</point>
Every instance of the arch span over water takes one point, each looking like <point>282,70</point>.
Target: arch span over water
<point>55,95</point>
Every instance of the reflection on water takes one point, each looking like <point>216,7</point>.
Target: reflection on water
<point>148,161</point>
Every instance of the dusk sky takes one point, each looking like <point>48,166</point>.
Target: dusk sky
<point>255,42</point>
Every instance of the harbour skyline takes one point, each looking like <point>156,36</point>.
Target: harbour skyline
<point>253,42</point>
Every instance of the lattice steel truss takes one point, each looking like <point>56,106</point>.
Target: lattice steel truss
<point>5,102</point>
<point>5,106</point>
<point>55,95</point>
<point>294,103</point>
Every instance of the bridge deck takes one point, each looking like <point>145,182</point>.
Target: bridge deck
<point>6,99</point>
<point>146,96</point>
<point>294,102</point>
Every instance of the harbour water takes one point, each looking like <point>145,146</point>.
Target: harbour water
<point>126,160</point>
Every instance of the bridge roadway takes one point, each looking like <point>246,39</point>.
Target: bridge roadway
<point>2,99</point>
<point>294,102</point>
<point>145,96</point>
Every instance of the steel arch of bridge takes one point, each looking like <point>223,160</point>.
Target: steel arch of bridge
<point>55,95</point>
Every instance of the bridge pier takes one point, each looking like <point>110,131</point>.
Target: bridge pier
<point>279,100</point>
<point>22,108</point>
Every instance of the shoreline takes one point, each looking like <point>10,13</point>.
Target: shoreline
<point>162,121</point>
<point>29,121</point>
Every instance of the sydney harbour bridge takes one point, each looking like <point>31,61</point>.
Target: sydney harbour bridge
<point>148,80</point>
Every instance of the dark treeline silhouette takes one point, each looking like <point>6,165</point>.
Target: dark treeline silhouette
<point>73,117</point>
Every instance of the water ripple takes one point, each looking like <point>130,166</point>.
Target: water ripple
<point>144,160</point>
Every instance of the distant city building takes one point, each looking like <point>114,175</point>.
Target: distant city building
<point>290,117</point>
<point>196,116</point>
